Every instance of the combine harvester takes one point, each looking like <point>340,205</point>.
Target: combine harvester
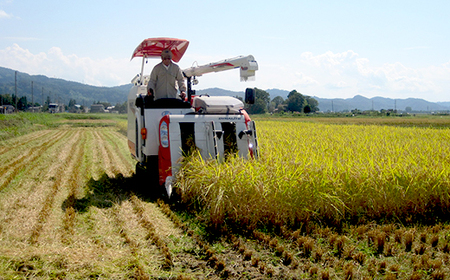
<point>161,132</point>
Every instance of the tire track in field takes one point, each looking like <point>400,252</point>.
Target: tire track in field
<point>147,224</point>
<point>163,232</point>
<point>73,182</point>
<point>129,166</point>
<point>105,155</point>
<point>48,203</point>
<point>114,155</point>
<point>93,153</point>
<point>125,232</point>
<point>35,152</point>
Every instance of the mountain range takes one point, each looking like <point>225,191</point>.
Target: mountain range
<point>357,102</point>
<point>59,90</point>
<point>62,91</point>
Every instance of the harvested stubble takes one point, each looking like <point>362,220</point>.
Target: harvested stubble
<point>331,173</point>
<point>47,227</point>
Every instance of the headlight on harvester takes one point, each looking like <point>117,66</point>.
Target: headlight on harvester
<point>164,135</point>
<point>144,133</point>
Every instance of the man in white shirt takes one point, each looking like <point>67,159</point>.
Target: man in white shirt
<point>165,78</point>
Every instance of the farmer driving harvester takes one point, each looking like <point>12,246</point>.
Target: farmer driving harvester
<point>162,130</point>
<point>165,78</point>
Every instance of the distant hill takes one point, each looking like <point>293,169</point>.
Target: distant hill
<point>363,103</point>
<point>59,90</point>
<point>445,104</point>
<point>62,91</point>
<point>377,103</point>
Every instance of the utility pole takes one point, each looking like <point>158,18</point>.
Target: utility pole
<point>32,97</point>
<point>15,88</point>
<point>332,106</point>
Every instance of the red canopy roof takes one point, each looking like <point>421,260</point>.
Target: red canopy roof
<point>153,47</point>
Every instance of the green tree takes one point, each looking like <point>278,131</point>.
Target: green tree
<point>6,99</point>
<point>312,104</point>
<point>121,107</point>
<point>295,102</point>
<point>307,109</point>
<point>71,106</point>
<point>276,103</point>
<point>47,102</point>
<point>22,104</point>
<point>72,103</point>
<point>277,100</point>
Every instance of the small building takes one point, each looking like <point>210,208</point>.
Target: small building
<point>97,108</point>
<point>7,109</point>
<point>77,108</point>
<point>35,109</point>
<point>55,108</point>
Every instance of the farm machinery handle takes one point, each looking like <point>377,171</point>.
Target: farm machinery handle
<point>246,64</point>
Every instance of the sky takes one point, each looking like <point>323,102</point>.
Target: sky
<point>329,49</point>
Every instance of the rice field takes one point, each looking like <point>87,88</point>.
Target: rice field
<point>326,173</point>
<point>350,198</point>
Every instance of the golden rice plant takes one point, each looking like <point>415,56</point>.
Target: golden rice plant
<point>322,172</point>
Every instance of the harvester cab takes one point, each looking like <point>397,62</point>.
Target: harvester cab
<point>161,132</point>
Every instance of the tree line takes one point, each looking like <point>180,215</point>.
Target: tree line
<point>23,104</point>
<point>295,102</point>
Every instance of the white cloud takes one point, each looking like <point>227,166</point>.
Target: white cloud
<point>335,64</point>
<point>54,63</point>
<point>342,75</point>
<point>304,81</point>
<point>397,78</point>
<point>3,14</point>
<point>338,85</point>
<point>349,72</point>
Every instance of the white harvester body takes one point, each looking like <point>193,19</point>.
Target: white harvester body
<point>162,132</point>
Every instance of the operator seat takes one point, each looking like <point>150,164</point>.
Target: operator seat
<point>169,103</point>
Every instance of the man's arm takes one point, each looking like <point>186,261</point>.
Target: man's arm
<point>181,84</point>
<point>151,85</point>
